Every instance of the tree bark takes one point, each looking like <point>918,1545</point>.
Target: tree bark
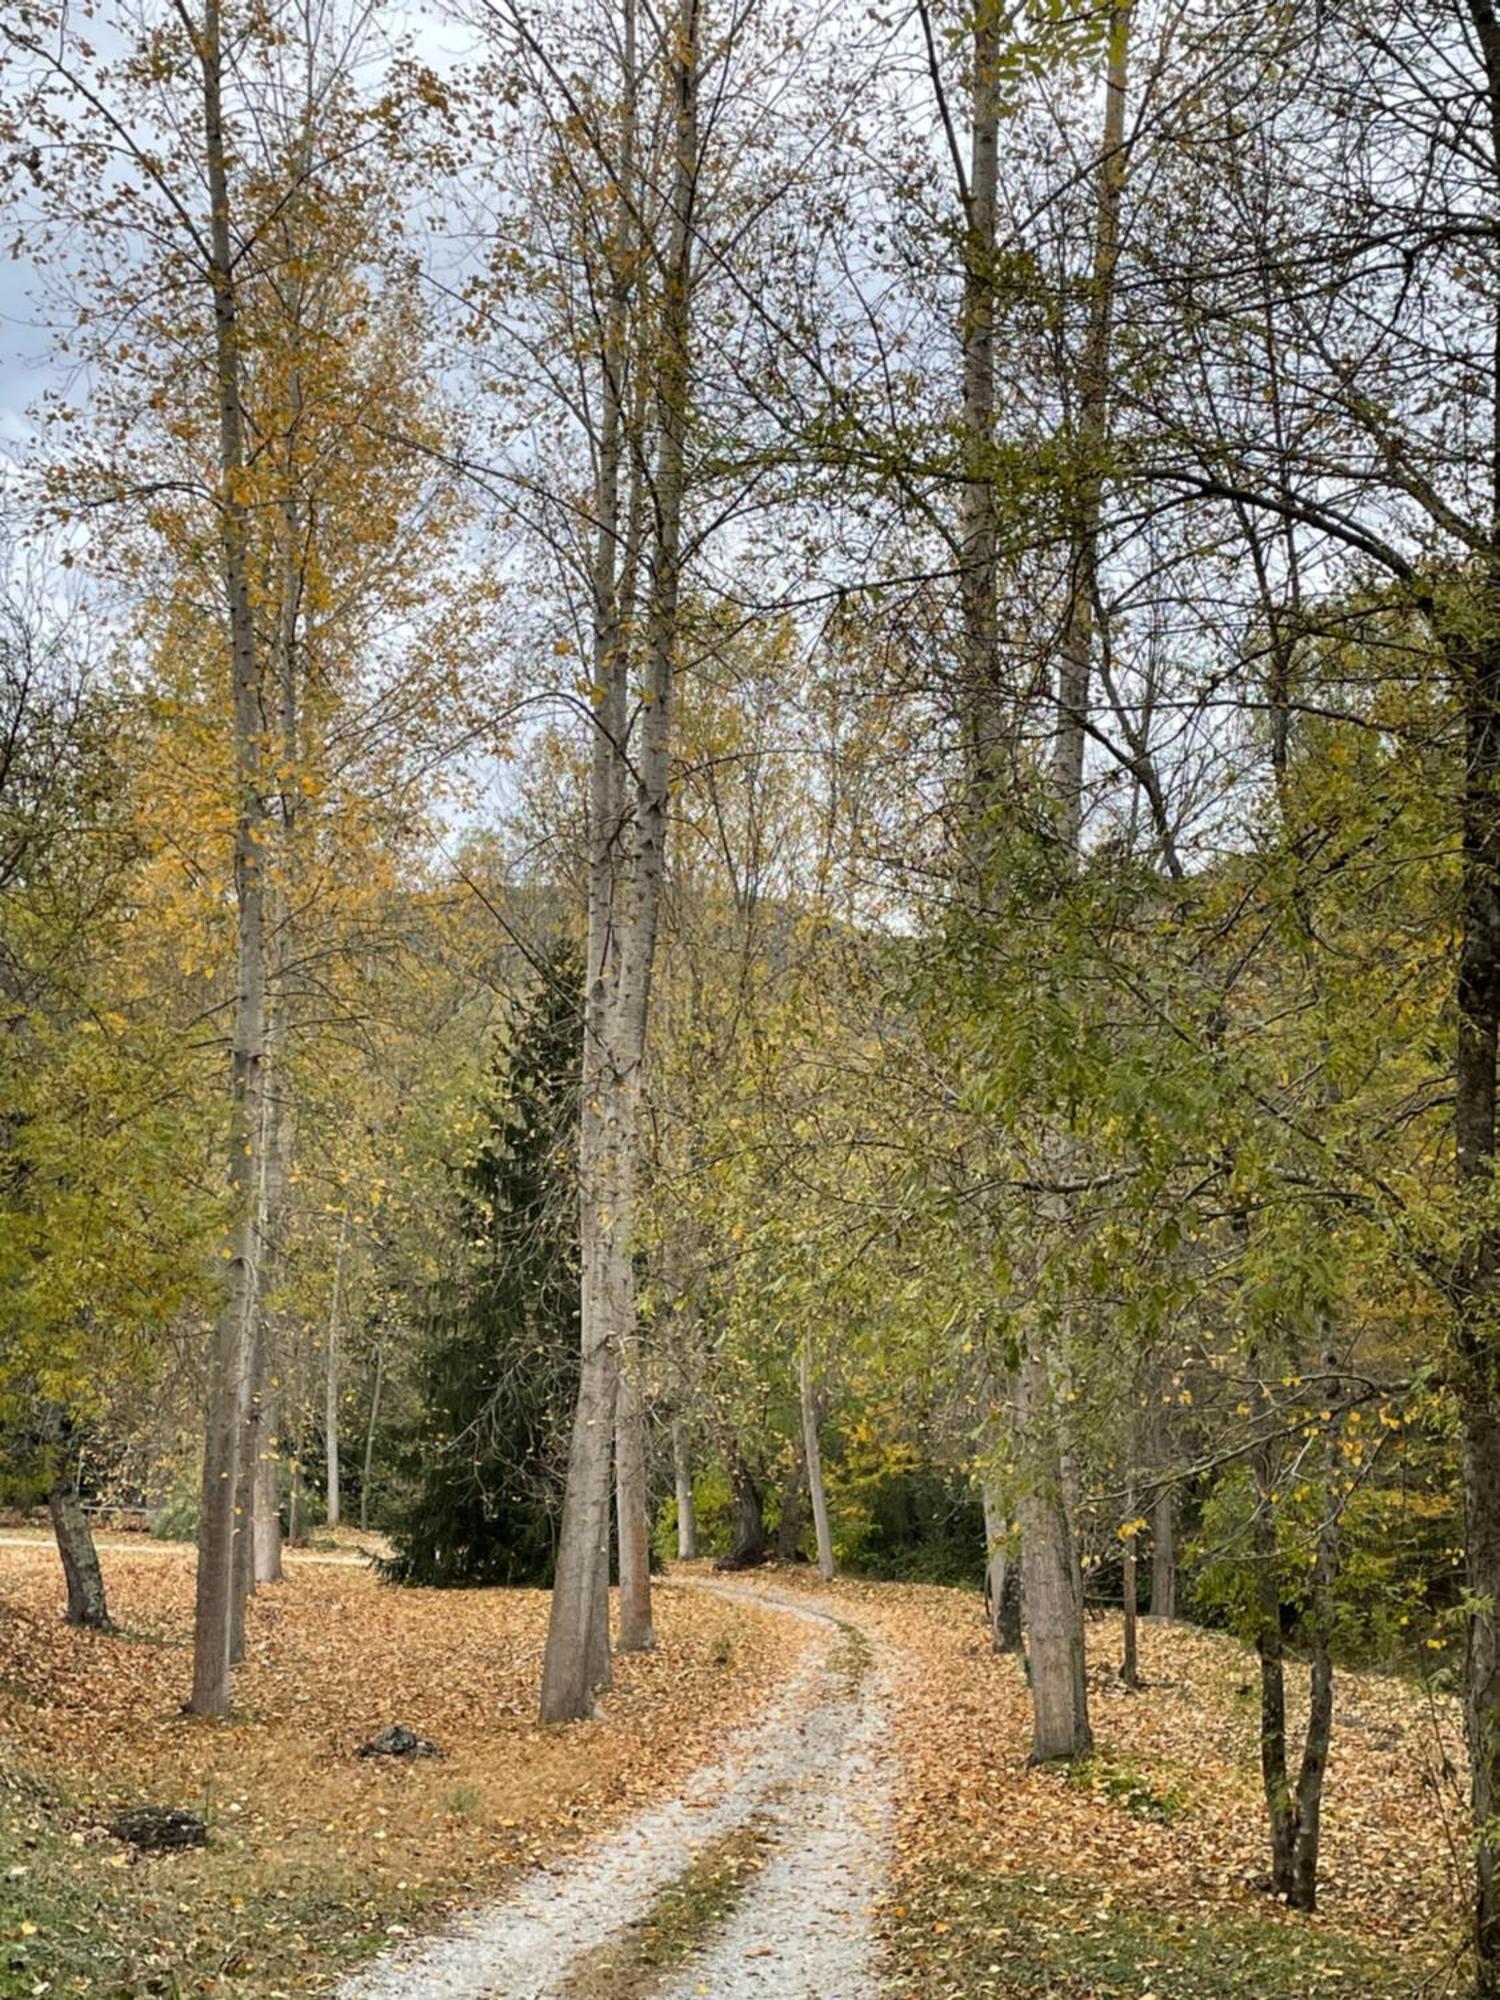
<point>794,1513</point>
<point>364,1482</point>
<point>331,1378</point>
<point>266,1523</point>
<point>1002,1571</point>
<point>687,1511</point>
<point>576,1661</point>
<point>627,836</point>
<point>229,1373</point>
<point>1130,1671</point>
<point>87,1604</point>
<point>1475,656</point>
<point>1076,662</point>
<point>1271,1653</point>
<point>1164,1554</point>
<point>1059,1688</point>
<point>747,1515</point>
<point>813,1458</point>
<point>637,1633</point>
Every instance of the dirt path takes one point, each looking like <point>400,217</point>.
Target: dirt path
<point>756,1880</point>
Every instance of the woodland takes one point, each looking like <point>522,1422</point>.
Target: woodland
<point>750,942</point>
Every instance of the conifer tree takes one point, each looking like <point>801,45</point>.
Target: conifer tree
<point>486,1457</point>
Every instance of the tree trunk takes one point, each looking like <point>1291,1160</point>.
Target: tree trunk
<point>576,1661</point>
<point>814,1460</point>
<point>632,1508</point>
<point>1130,1672</point>
<point>1164,1554</point>
<point>625,874</point>
<point>1002,1571</point>
<point>266,1525</point>
<point>747,1516</point>
<point>364,1483</point>
<point>986,705</point>
<point>1475,657</point>
<point>1268,1645</point>
<point>1076,663</point>
<point>331,1378</point>
<point>229,1371</point>
<point>1059,1688</point>
<point>87,1604</point>
<point>794,1513</point>
<point>687,1512</point>
<point>1481,1477</point>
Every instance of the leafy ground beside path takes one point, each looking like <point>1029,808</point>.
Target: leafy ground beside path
<point>315,1854</point>
<point>1135,1875</point>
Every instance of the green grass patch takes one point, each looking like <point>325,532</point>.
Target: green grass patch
<point>1143,1793</point>
<point>686,1914</point>
<point>963,1935</point>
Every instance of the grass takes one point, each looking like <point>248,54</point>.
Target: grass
<point>1144,1793</point>
<point>1019,1937</point>
<point>685,1915</point>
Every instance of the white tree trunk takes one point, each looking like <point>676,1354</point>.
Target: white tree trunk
<point>230,1365</point>
<point>633,1524</point>
<point>627,835</point>
<point>813,1458</point>
<point>331,1377</point>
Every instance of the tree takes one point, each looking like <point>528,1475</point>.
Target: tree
<point>498,1368</point>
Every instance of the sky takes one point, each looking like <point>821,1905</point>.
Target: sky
<point>29,361</point>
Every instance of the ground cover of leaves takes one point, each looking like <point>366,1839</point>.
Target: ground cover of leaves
<point>1137,1874</point>
<point>316,1856</point>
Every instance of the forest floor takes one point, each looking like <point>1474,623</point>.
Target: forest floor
<point>317,1857</point>
<point>832,1804</point>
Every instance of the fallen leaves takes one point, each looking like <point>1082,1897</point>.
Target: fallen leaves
<point>1161,1836</point>
<point>315,1852</point>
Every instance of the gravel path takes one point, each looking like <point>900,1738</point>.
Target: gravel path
<point>812,1774</point>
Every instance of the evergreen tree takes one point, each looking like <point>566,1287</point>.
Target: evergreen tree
<point>486,1458</point>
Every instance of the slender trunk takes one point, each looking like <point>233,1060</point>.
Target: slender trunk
<point>687,1512</point>
<point>1130,1672</point>
<point>1002,1572</point>
<point>1164,1554</point>
<point>364,1482</point>
<point>632,1509</point>
<point>266,1525</point>
<point>985,704</point>
<point>1059,1689</point>
<point>1076,662</point>
<point>814,1460</point>
<point>244,1507</point>
<point>331,1377</point>
<point>576,1661</point>
<point>229,1370</point>
<point>87,1604</point>
<point>1268,1645</point>
<point>625,887</point>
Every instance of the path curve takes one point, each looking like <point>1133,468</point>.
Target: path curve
<point>813,1775</point>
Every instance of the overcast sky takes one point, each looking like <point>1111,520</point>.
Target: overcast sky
<point>29,362</point>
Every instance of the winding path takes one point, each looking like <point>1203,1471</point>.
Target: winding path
<point>812,1777</point>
